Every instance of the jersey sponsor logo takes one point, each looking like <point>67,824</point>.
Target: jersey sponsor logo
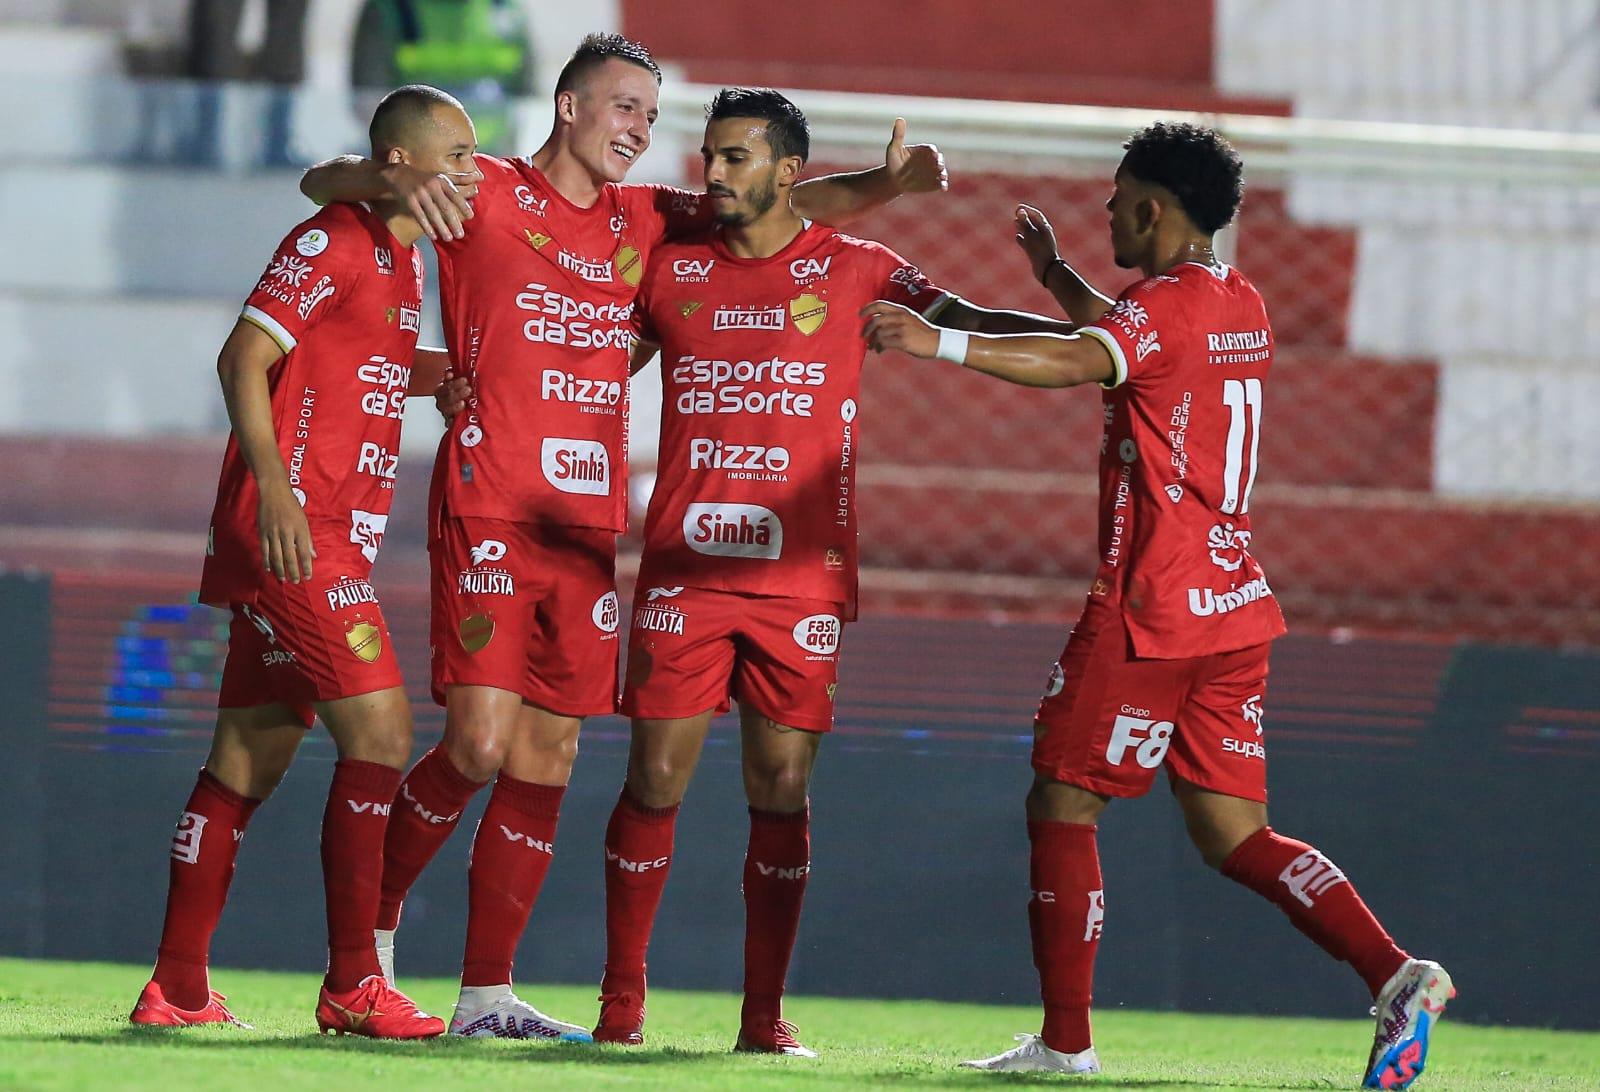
<point>911,279</point>
<point>668,619</point>
<point>536,239</point>
<point>1203,602</point>
<point>289,270</point>
<point>385,259</point>
<point>1129,316</point>
<point>312,243</point>
<point>1095,919</point>
<point>410,318</point>
<point>735,318</point>
<point>471,436</point>
<point>1237,346</point>
<point>833,559</point>
<point>478,581</point>
<point>1252,712</point>
<point>809,313</point>
<point>488,551</point>
<point>365,640</point>
<point>366,807</point>
<point>626,865</point>
<point>779,872</point>
<point>259,620</point>
<point>527,840</point>
<point>720,529</point>
<point>389,380</point>
<point>186,837</point>
<point>731,386</point>
<point>689,307</point>
<point>1309,875</point>
<point>1245,748</point>
<point>349,592</point>
<point>1178,438</point>
<point>1057,680</point>
<point>277,657</point>
<point>742,462</point>
<point>818,634</point>
<point>606,613</point>
<point>1128,451</point>
<point>806,270</point>
<point>1227,546</point>
<point>690,271</point>
<point>663,593</point>
<point>561,320</point>
<point>527,202</point>
<point>1149,342</point>
<point>309,300</point>
<point>1146,737</point>
<point>576,466</point>
<point>847,410</point>
<point>1175,493</point>
<point>591,271</point>
<point>378,461</point>
<point>590,395</point>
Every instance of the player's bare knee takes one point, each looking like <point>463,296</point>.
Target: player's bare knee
<point>477,754</point>
<point>657,781</point>
<point>1058,802</point>
<point>780,787</point>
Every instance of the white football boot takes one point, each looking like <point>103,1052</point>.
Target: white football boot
<point>1408,1007</point>
<point>494,1012</point>
<point>1034,1057</point>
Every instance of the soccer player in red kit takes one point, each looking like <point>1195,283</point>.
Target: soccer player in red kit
<point>749,565</point>
<point>1167,665</point>
<point>529,488</point>
<point>315,375</point>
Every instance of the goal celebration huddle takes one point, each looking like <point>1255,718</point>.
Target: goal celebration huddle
<point>558,280</point>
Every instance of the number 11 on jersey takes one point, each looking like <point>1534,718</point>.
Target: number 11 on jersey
<point>1237,395</point>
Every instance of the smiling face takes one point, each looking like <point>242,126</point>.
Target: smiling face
<point>741,175</point>
<point>609,118</point>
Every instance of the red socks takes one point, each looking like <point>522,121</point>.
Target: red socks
<point>1065,912</point>
<point>426,809</point>
<point>638,857</point>
<point>353,825</point>
<point>204,848</point>
<point>1320,902</point>
<point>775,869</point>
<point>510,857</point>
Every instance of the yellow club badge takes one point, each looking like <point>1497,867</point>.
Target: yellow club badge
<point>365,640</point>
<point>389,316</point>
<point>808,312</point>
<point>536,239</point>
<point>688,309</point>
<point>476,630</point>
<point>629,267</point>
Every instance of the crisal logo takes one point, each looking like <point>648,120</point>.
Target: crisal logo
<point>186,838</point>
<point>636,866</point>
<point>490,549</point>
<point>576,466</point>
<point>1149,740</point>
<point>1309,875</point>
<point>689,270</point>
<point>365,806</point>
<point>594,272</point>
<point>733,530</point>
<point>809,269</point>
<point>289,270</point>
<point>818,634</point>
<point>527,839</point>
<point>606,613</point>
<point>797,872</point>
<point>732,318</point>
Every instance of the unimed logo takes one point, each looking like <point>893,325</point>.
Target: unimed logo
<point>733,530</point>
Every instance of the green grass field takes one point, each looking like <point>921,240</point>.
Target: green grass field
<point>63,1026</point>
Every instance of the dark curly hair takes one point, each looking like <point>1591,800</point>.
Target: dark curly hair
<point>1195,163</point>
<point>595,50</point>
<point>788,132</point>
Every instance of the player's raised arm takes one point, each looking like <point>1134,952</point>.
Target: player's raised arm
<point>1029,360</point>
<point>242,367</point>
<point>837,199</point>
<point>960,314</point>
<point>434,199</point>
<point>1077,297</point>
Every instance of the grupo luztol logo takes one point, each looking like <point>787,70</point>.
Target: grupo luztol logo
<point>576,466</point>
<point>722,529</point>
<point>818,634</point>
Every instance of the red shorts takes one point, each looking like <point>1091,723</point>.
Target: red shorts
<point>526,608</point>
<point>691,649</point>
<point>1109,719</point>
<point>315,641</point>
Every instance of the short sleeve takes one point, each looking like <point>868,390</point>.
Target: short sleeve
<point>643,328</point>
<point>1131,330</point>
<point>306,279</point>
<point>903,283</point>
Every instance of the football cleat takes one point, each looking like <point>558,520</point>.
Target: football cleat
<point>621,1019</point>
<point>154,1010</point>
<point>494,1012</point>
<point>383,941</point>
<point>781,1037</point>
<point>1032,1056</point>
<point>377,1010</point>
<point>1408,1006</point>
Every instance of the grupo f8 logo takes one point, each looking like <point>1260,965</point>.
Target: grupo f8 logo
<point>1148,739</point>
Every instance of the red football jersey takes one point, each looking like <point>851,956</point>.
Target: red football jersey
<point>1192,350</point>
<point>343,299</point>
<point>760,434</point>
<point>538,308</point>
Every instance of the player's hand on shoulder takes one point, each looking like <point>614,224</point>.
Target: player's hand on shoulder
<point>889,327</point>
<point>434,199</point>
<point>1036,238</point>
<point>286,549</point>
<point>915,168</point>
<point>450,397</point>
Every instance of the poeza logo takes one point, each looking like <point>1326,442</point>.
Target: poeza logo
<point>818,634</point>
<point>366,531</point>
<point>487,552</point>
<point>733,530</point>
<point>1149,342</point>
<point>1148,738</point>
<point>606,613</point>
<point>576,466</point>
<point>309,300</point>
<point>689,271</point>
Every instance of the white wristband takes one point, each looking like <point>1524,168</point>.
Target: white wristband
<point>952,345</point>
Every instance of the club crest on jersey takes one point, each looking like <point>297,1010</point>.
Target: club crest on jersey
<point>689,307</point>
<point>476,631</point>
<point>536,239</point>
<point>365,640</point>
<point>629,266</point>
<point>809,313</point>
